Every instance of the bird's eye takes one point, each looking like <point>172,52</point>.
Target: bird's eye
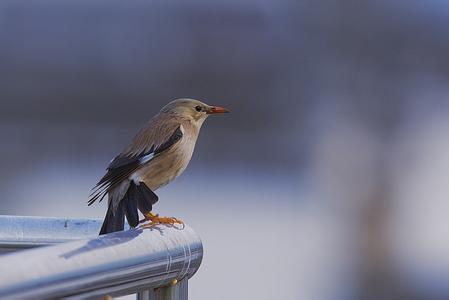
<point>198,108</point>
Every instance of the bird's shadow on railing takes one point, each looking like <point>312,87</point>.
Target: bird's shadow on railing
<point>111,240</point>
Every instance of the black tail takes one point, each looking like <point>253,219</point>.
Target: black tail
<point>137,197</point>
<point>114,221</point>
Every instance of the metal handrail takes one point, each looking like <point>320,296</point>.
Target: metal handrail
<point>18,232</point>
<point>115,264</point>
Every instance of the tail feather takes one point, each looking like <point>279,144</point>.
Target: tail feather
<point>131,207</point>
<point>137,197</point>
<point>146,198</point>
<point>114,221</point>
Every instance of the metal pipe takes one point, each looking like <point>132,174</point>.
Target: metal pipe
<point>17,232</point>
<point>171,292</point>
<point>116,264</point>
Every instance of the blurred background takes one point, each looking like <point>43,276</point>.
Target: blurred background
<point>328,181</point>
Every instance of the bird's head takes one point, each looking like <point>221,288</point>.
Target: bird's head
<point>193,109</point>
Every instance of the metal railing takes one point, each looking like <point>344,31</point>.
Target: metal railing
<point>83,265</point>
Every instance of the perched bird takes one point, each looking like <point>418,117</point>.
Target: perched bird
<point>159,153</point>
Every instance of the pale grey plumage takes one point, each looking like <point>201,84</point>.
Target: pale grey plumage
<point>158,153</point>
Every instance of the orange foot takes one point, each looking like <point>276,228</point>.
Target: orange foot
<point>156,220</point>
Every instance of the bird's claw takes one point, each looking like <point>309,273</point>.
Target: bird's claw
<point>156,220</point>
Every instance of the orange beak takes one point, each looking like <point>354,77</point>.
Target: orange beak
<point>217,110</point>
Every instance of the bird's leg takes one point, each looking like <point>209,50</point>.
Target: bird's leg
<point>155,219</point>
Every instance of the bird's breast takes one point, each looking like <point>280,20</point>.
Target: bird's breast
<point>168,165</point>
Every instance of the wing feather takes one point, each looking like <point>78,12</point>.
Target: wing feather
<point>157,136</point>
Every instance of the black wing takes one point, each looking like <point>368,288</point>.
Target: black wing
<point>122,167</point>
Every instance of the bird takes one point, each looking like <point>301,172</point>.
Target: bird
<point>158,154</point>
